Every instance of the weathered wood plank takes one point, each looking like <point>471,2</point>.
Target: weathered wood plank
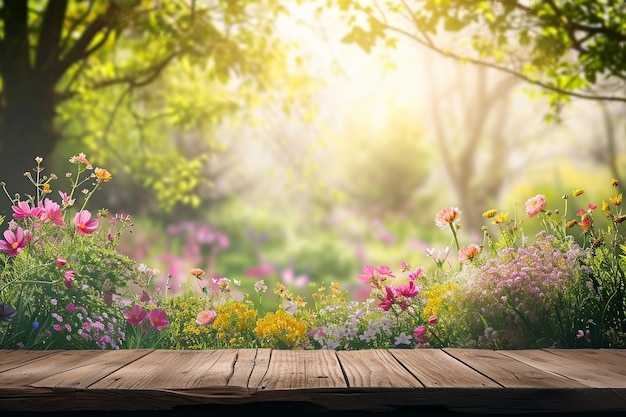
<point>250,368</point>
<point>436,369</point>
<point>303,369</point>
<point>10,359</point>
<point>46,366</point>
<point>589,367</point>
<point>509,372</point>
<point>173,369</point>
<point>375,369</point>
<point>91,370</point>
<point>371,380</point>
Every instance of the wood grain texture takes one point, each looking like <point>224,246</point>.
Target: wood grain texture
<point>375,369</point>
<point>478,381</point>
<point>437,369</point>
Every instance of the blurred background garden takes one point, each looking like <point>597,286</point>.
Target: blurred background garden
<point>296,141</point>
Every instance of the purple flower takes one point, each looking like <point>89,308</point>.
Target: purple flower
<point>6,312</point>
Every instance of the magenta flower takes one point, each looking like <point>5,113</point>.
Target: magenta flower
<point>136,315</point>
<point>407,290</point>
<point>13,242</point>
<point>415,275</point>
<point>60,262</point>
<point>535,205</point>
<point>84,223</point>
<point>368,272</point>
<point>23,210</point>
<point>68,278</point>
<point>158,319</point>
<point>432,321</point>
<point>419,333</point>
<point>50,210</point>
<point>390,298</point>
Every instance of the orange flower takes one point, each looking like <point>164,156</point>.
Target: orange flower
<point>197,272</point>
<point>467,253</point>
<point>447,216</point>
<point>102,174</point>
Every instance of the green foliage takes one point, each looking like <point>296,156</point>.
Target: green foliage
<point>565,47</point>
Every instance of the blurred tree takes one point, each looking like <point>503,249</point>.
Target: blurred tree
<point>572,48</point>
<point>82,69</point>
<point>567,48</point>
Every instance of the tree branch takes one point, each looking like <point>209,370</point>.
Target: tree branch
<point>513,72</point>
<point>50,35</point>
<point>79,49</point>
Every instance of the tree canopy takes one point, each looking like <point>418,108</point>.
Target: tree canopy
<point>129,79</point>
<point>569,48</point>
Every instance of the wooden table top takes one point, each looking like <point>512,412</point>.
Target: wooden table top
<point>458,380</point>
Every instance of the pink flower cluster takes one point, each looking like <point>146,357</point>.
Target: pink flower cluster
<point>156,317</point>
<point>16,238</point>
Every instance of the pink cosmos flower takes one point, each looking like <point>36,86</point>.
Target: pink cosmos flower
<point>13,242</point>
<point>68,278</point>
<point>84,223</point>
<point>432,321</point>
<point>535,205</point>
<point>136,315</point>
<point>60,262</point>
<point>446,216</point>
<point>158,319</point>
<point>390,298</point>
<point>24,210</point>
<point>51,211</point>
<point>407,290</point>
<point>206,317</point>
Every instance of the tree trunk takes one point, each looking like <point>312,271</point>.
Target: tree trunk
<point>26,131</point>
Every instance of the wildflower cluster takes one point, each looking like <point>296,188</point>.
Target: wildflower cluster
<point>564,288</point>
<point>60,270</point>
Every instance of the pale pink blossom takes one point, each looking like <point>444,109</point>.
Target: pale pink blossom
<point>206,317</point>
<point>535,205</point>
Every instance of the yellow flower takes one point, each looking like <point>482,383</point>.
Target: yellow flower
<point>102,174</point>
<point>614,182</point>
<point>490,213</point>
<point>46,188</point>
<point>617,200</point>
<point>281,330</point>
<point>571,224</point>
<point>578,191</point>
<point>500,218</point>
<point>605,206</point>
